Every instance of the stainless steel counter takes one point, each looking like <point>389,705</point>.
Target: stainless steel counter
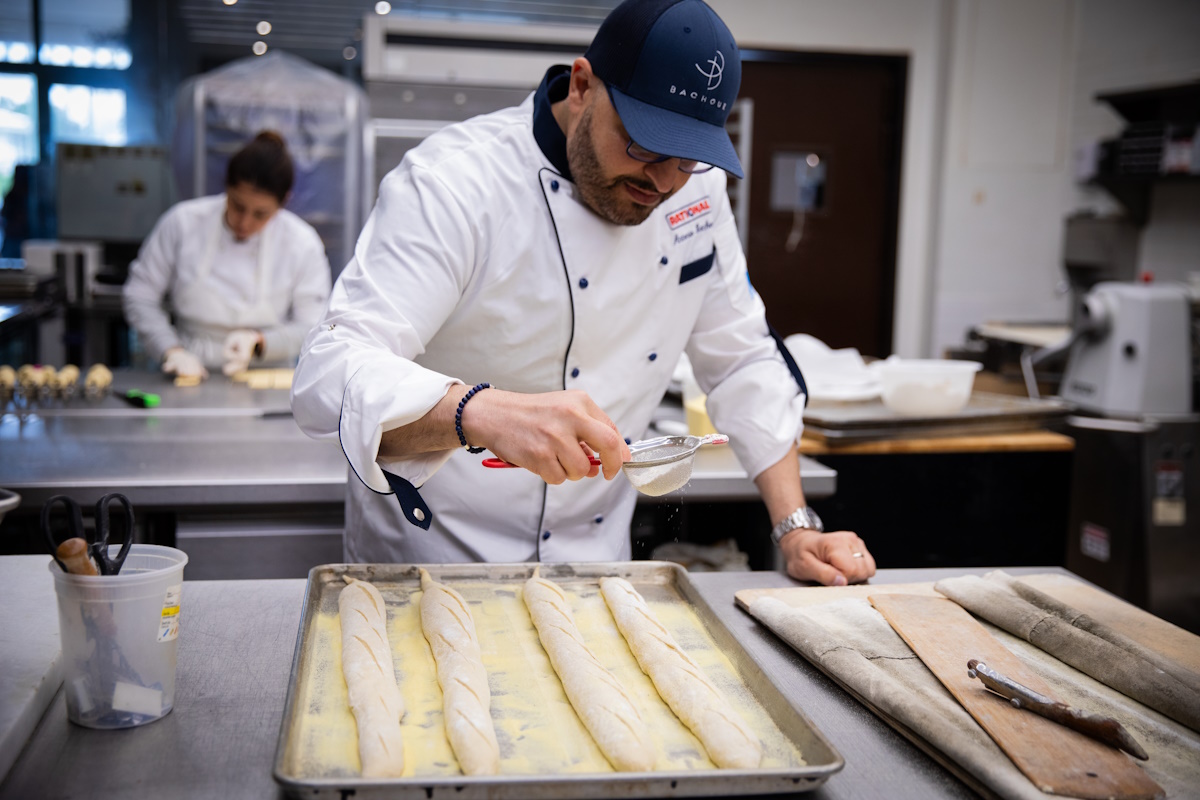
<point>235,653</point>
<point>224,444</point>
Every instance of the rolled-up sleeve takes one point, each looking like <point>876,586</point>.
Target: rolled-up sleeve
<point>150,279</point>
<point>357,378</point>
<point>752,396</point>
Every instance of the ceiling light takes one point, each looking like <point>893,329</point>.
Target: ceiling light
<point>228,2</point>
<point>383,8</point>
<point>259,48</point>
<point>19,53</point>
<point>349,53</point>
<point>263,28</point>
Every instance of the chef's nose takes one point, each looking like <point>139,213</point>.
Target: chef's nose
<point>663,174</point>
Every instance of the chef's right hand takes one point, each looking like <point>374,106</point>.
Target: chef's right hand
<point>549,434</point>
<point>183,364</point>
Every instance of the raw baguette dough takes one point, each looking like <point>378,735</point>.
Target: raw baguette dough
<point>683,685</point>
<point>607,710</point>
<point>450,629</point>
<point>367,666</point>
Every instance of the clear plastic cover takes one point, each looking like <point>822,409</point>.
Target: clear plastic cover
<point>318,113</point>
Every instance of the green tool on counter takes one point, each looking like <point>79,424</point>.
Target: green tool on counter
<point>136,397</point>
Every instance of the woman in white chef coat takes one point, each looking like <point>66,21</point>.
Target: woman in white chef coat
<point>231,279</point>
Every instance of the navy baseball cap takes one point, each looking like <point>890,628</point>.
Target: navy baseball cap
<point>673,71</point>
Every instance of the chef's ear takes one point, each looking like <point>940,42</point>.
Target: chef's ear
<point>583,81</point>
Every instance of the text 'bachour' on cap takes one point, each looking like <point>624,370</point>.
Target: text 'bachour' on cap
<point>673,71</point>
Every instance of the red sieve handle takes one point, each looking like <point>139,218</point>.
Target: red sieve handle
<point>500,463</point>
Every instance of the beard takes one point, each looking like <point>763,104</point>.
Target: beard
<point>605,196</point>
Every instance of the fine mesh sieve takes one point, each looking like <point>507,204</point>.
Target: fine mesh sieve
<point>656,466</point>
<point>664,464</point>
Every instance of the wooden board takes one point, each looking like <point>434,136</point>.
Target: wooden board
<point>1056,759</point>
<point>1036,441</point>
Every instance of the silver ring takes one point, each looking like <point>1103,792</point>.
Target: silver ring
<point>857,555</point>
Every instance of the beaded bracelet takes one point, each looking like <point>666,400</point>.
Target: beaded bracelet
<point>479,387</point>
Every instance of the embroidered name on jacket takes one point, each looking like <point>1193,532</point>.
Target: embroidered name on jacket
<point>689,212</point>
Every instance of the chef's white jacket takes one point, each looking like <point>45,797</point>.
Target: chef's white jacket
<point>481,263</point>
<point>276,281</point>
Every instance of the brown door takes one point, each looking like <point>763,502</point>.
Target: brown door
<point>836,278</point>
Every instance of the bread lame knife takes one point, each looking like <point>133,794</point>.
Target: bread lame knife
<point>1104,729</point>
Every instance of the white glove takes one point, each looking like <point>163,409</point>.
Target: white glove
<point>183,364</point>
<point>239,349</point>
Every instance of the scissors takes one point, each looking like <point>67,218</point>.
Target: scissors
<point>97,539</point>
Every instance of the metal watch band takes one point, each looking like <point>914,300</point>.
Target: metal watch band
<point>802,517</point>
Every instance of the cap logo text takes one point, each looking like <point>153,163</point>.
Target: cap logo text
<point>716,69</point>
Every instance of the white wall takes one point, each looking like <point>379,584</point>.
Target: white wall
<point>1006,155</point>
<point>999,96</point>
<point>918,29</point>
<point>1125,46</point>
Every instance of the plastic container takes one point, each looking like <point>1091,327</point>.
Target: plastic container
<point>925,387</point>
<point>120,637</point>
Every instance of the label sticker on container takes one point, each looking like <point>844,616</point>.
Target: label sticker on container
<point>168,625</point>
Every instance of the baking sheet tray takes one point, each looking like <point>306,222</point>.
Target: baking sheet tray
<point>544,750</point>
<point>984,413</point>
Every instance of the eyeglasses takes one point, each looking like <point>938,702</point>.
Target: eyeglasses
<point>639,153</point>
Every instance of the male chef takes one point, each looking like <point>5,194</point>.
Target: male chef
<point>526,284</point>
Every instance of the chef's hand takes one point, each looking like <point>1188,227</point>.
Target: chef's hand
<point>183,364</point>
<point>828,558</point>
<point>551,434</point>
<point>240,346</point>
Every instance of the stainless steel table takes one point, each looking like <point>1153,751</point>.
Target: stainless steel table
<point>224,444</point>
<point>235,654</point>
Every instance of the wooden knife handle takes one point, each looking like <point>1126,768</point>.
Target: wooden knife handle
<point>73,553</point>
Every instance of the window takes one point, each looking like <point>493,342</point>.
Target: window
<point>87,115</point>
<point>16,33</point>
<point>18,125</point>
<point>85,33</point>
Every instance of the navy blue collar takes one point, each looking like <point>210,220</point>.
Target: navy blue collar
<point>550,137</point>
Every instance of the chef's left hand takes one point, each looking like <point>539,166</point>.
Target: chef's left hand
<point>828,558</point>
<point>239,349</point>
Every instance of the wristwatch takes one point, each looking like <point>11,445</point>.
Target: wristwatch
<point>802,517</point>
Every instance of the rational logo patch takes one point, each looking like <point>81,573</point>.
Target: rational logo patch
<point>689,212</point>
